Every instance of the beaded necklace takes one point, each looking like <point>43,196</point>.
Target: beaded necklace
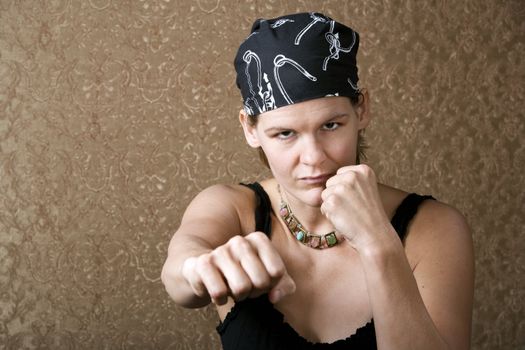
<point>300,232</point>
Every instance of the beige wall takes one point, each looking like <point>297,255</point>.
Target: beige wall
<point>114,114</point>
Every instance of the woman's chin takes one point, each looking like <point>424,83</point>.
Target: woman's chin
<point>313,197</point>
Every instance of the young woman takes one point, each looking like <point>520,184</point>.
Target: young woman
<point>321,255</point>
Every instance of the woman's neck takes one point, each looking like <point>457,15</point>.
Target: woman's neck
<point>309,216</point>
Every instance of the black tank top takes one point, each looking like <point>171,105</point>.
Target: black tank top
<point>254,324</point>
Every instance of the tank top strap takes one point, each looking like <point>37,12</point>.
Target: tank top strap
<point>263,220</point>
<point>405,212</point>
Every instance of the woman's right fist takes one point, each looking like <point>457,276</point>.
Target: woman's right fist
<point>244,267</point>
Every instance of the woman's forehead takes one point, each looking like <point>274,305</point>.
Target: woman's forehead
<point>317,108</point>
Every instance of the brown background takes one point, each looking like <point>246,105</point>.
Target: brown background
<point>114,114</point>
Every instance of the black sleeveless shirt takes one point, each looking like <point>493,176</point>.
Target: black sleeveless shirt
<point>254,324</point>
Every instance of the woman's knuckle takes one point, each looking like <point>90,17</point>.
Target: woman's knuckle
<point>220,250</point>
<point>235,240</point>
<point>217,292</point>
<point>204,262</point>
<point>367,171</point>
<point>239,290</point>
<point>261,281</point>
<point>276,270</point>
<point>241,247</point>
<point>258,236</point>
<point>198,289</point>
<point>339,189</point>
<point>238,241</point>
<point>331,202</point>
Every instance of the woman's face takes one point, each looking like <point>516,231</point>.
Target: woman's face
<point>306,143</point>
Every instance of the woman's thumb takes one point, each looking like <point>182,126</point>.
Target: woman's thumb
<point>285,286</point>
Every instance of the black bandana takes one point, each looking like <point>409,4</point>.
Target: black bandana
<point>296,58</point>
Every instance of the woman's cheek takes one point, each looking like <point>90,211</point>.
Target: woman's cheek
<point>344,153</point>
<point>281,161</point>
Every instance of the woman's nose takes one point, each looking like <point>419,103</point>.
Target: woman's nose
<point>312,152</point>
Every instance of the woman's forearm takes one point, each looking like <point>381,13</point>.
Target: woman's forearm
<point>176,285</point>
<point>400,316</point>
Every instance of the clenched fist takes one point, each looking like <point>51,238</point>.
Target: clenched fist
<point>244,267</point>
<point>352,203</point>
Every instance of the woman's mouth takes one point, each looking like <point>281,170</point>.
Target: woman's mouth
<point>316,180</point>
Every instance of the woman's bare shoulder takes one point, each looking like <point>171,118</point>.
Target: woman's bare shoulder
<point>430,212</point>
<point>438,229</point>
<point>391,198</point>
<point>439,218</point>
<point>232,203</point>
<point>434,221</point>
<point>223,191</point>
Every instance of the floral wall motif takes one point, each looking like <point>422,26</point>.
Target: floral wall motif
<point>114,114</point>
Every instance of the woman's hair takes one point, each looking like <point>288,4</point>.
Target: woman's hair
<point>361,144</point>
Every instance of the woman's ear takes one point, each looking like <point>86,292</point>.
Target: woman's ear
<point>250,132</point>
<point>362,109</point>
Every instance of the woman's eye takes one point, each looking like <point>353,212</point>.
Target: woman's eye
<point>331,126</point>
<point>283,135</point>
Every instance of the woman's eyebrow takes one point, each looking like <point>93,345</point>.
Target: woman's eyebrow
<point>331,118</point>
<point>274,129</point>
<point>337,116</point>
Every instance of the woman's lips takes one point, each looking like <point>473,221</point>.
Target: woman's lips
<point>316,180</point>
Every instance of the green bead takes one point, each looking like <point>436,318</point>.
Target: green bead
<point>331,239</point>
<point>300,236</point>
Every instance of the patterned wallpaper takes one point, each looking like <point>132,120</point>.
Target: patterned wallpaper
<point>114,114</point>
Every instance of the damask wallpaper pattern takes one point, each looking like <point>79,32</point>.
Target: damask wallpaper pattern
<point>114,114</point>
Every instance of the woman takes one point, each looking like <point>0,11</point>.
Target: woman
<point>320,255</point>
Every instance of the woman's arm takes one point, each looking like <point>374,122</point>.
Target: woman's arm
<point>428,307</point>
<point>210,259</point>
<point>210,220</point>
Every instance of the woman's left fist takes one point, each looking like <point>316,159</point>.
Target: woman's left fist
<point>352,203</point>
